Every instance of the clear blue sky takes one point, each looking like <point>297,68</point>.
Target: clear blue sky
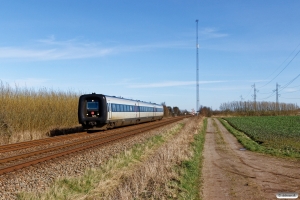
<point>146,50</point>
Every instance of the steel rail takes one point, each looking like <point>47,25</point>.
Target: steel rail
<point>28,144</point>
<point>39,142</point>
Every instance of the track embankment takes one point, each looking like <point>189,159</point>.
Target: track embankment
<point>39,163</point>
<point>231,172</point>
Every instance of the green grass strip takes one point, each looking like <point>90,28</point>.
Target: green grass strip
<point>251,145</point>
<point>190,181</point>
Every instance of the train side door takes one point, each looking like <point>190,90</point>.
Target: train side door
<point>137,112</point>
<point>109,109</point>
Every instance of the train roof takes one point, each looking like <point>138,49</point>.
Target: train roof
<point>125,99</point>
<point>132,100</point>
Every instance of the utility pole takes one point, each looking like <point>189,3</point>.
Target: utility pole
<point>255,90</point>
<point>197,70</point>
<point>277,95</point>
<point>242,99</point>
<point>254,96</point>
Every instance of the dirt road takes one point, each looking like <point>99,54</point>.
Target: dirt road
<point>232,173</point>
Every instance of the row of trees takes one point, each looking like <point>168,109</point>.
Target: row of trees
<point>258,108</point>
<point>205,111</point>
<point>169,111</point>
<point>241,108</point>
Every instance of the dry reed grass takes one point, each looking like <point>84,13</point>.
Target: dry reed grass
<point>27,114</point>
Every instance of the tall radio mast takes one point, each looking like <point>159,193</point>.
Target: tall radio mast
<point>197,71</point>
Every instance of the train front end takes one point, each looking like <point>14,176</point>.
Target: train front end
<point>92,111</point>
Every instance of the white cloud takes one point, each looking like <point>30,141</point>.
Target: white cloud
<point>212,33</point>
<point>291,90</point>
<point>52,49</point>
<point>72,52</point>
<point>171,84</point>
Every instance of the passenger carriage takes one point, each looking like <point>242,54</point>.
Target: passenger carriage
<point>97,111</point>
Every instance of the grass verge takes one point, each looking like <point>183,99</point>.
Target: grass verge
<point>251,145</point>
<point>190,170</point>
<point>101,182</point>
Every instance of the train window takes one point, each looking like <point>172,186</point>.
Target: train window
<point>130,108</point>
<point>113,108</point>
<point>92,106</point>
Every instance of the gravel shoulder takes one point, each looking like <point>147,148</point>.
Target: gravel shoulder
<point>231,173</point>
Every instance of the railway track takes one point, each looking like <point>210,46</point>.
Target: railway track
<point>21,155</point>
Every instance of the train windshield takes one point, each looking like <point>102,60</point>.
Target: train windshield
<point>92,106</point>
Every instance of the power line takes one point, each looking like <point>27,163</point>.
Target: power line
<point>273,93</point>
<point>283,87</point>
<point>284,67</point>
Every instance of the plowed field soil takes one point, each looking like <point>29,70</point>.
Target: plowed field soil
<point>231,172</point>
